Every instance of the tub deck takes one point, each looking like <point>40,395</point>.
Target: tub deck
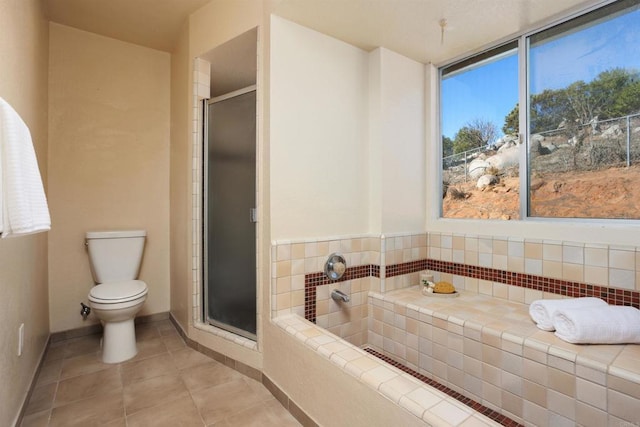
<point>489,350</point>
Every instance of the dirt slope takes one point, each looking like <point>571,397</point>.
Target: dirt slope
<point>608,193</point>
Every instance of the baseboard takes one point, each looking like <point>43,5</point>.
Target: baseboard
<point>32,385</point>
<point>96,328</point>
<point>282,397</point>
<point>76,333</point>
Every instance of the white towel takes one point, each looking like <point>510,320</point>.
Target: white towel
<point>541,311</point>
<point>611,324</point>
<point>23,204</point>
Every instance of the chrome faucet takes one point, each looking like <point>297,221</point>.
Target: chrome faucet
<point>338,295</point>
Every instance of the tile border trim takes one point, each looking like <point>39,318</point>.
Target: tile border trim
<point>614,296</point>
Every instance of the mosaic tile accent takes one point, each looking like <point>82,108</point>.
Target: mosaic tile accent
<point>487,412</point>
<point>612,296</point>
<point>313,280</point>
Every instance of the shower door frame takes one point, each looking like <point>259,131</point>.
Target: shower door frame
<point>205,221</point>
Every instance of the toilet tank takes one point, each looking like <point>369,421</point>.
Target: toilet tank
<point>115,255</point>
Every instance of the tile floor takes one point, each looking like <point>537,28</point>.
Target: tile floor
<point>166,384</point>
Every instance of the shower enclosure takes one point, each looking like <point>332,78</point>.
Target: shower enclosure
<point>230,214</point>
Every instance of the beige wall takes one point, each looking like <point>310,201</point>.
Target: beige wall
<point>23,260</point>
<point>397,183</point>
<point>108,162</point>
<point>319,128</point>
<point>180,180</point>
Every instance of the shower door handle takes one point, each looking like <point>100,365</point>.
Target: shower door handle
<point>253,215</point>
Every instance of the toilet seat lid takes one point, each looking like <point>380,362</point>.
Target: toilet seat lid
<point>114,292</point>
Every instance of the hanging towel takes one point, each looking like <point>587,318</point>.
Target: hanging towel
<point>23,204</point>
<point>610,324</point>
<point>541,311</point>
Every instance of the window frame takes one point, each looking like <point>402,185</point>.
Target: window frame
<point>606,230</point>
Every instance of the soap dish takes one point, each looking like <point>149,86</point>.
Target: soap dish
<point>435,295</point>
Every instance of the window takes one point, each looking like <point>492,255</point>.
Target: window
<point>583,123</point>
<point>474,97</point>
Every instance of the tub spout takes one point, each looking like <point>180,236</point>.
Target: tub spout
<point>338,295</point>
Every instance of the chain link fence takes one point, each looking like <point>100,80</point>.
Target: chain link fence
<point>592,146</point>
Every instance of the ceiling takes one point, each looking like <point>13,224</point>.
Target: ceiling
<point>413,27</point>
<point>409,27</point>
<point>151,23</point>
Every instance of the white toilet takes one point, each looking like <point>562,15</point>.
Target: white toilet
<point>115,258</point>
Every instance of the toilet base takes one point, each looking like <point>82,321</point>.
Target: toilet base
<point>118,341</point>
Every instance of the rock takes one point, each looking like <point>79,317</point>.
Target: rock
<point>496,145</point>
<point>506,139</point>
<point>536,137</point>
<point>507,145</point>
<point>613,130</point>
<point>535,149</point>
<point>486,180</point>
<point>541,148</point>
<point>535,184</point>
<point>547,147</point>
<point>477,168</point>
<point>505,158</point>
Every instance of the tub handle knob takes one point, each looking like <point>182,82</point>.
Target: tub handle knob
<point>335,267</point>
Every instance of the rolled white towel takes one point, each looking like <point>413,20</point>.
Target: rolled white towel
<point>541,311</point>
<point>611,324</point>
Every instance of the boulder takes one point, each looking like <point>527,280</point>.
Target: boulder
<point>547,147</point>
<point>505,158</point>
<point>506,139</point>
<point>486,180</point>
<point>539,148</point>
<point>613,130</point>
<point>477,168</point>
<point>536,137</point>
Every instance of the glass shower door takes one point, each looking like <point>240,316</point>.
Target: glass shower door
<point>230,229</point>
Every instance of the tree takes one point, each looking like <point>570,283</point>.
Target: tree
<point>613,93</point>
<point>466,139</point>
<point>447,146</point>
<point>549,109</point>
<point>476,133</point>
<point>621,88</point>
<point>512,122</point>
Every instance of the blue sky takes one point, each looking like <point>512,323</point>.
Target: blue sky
<point>490,92</point>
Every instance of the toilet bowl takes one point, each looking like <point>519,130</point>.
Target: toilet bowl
<point>115,258</point>
<point>116,305</point>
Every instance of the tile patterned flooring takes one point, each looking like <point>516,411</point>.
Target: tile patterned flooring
<point>166,384</point>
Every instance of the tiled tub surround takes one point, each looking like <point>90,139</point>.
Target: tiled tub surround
<point>428,405</point>
<point>299,286</point>
<point>490,351</point>
<point>516,270</point>
<point>500,270</point>
<point>593,264</point>
<point>295,264</point>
